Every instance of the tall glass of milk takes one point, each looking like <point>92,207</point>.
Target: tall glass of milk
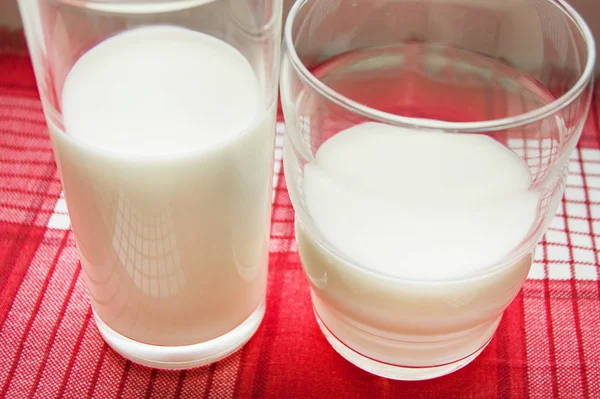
<point>162,118</point>
<point>425,155</point>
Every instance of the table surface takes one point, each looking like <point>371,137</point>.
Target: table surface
<point>547,346</point>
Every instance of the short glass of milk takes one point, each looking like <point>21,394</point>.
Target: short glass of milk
<point>162,117</point>
<point>425,155</point>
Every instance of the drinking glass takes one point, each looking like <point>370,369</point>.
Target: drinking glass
<point>172,226</point>
<point>448,79</point>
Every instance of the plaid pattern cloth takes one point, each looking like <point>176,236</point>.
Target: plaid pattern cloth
<point>547,346</point>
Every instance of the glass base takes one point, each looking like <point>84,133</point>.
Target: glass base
<point>182,357</point>
<point>397,371</point>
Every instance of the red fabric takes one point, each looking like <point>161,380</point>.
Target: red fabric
<point>547,346</point>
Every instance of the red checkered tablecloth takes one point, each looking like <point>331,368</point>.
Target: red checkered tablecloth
<point>547,346</point>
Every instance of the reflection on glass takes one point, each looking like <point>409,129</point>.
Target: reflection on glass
<point>147,248</point>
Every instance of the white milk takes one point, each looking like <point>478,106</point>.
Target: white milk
<point>419,205</point>
<point>166,162</point>
<point>418,215</point>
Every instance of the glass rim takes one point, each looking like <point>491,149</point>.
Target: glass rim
<point>464,127</point>
<point>135,6</point>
